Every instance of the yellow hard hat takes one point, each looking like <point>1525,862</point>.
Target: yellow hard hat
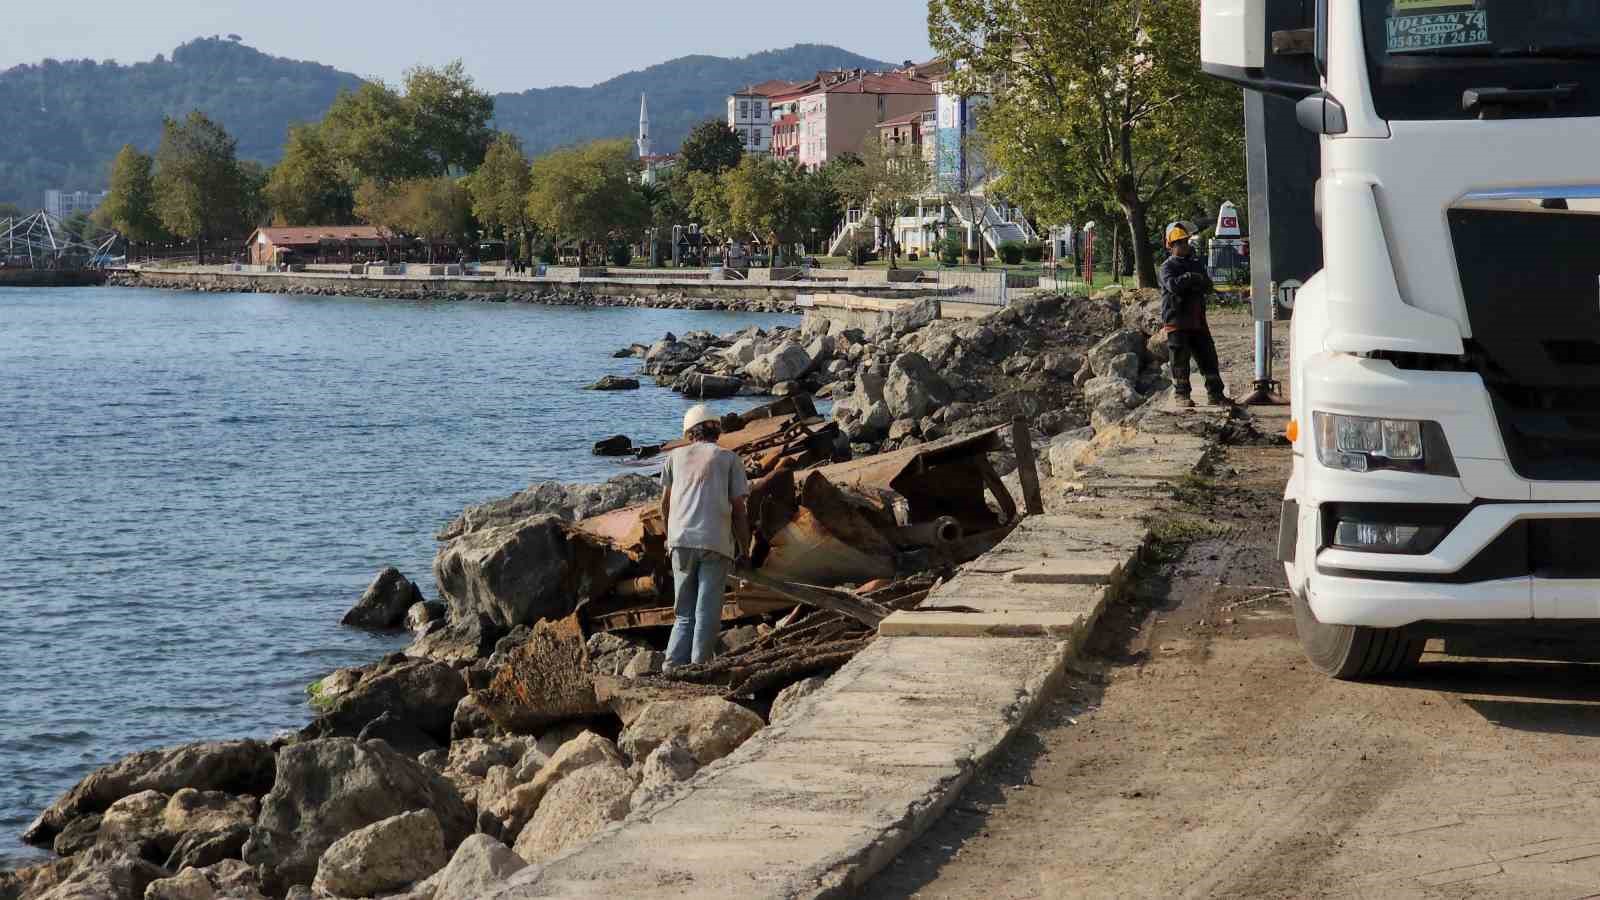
<point>1177,232</point>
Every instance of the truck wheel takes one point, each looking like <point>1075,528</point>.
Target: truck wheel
<point>1354,652</point>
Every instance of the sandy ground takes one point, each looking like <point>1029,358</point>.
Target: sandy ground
<point>1195,754</point>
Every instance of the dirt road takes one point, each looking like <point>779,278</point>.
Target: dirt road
<point>1196,754</point>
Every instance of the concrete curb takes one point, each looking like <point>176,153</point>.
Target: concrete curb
<point>823,799</point>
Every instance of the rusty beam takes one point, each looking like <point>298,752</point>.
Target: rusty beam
<point>844,603</point>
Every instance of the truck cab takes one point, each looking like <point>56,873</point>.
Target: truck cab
<point>1445,362</point>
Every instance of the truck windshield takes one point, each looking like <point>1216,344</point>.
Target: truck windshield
<point>1423,55</point>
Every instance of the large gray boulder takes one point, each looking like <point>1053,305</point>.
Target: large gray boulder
<point>420,693</point>
<point>786,363</point>
<point>1109,399</point>
<point>230,879</point>
<point>571,502</point>
<point>576,809</point>
<point>667,765</point>
<point>909,317</point>
<point>914,389</point>
<point>329,788</point>
<point>385,856</point>
<point>710,727</point>
<point>235,767</point>
<point>1102,355</point>
<point>479,868</point>
<point>384,603</point>
<point>519,574</point>
<point>702,386</point>
<point>105,872</point>
<point>789,697</point>
<point>462,640</point>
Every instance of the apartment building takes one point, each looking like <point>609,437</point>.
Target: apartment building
<point>839,111</point>
<point>66,204</point>
<point>750,114</point>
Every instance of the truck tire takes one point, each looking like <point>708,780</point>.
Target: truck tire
<point>1353,652</point>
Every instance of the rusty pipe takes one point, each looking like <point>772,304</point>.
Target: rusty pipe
<point>939,532</point>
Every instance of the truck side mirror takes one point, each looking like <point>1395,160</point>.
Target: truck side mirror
<point>1321,114</point>
<point>1233,47</point>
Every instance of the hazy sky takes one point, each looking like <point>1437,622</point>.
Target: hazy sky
<point>508,45</point>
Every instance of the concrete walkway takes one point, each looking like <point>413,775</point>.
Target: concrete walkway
<point>819,801</point>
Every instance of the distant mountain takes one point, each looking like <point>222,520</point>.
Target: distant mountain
<point>682,93</point>
<point>62,122</point>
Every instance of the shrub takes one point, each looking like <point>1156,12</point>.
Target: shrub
<point>1033,251</point>
<point>621,254</point>
<point>549,255</point>
<point>1011,253</point>
<point>950,251</point>
<point>860,247</point>
<point>972,255</point>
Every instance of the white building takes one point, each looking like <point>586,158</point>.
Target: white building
<point>65,204</point>
<point>750,114</point>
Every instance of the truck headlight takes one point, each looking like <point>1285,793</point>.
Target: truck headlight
<point>1361,444</point>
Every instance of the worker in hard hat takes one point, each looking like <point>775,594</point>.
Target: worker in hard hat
<point>1185,286</point>
<point>703,492</point>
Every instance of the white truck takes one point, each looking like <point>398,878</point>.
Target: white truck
<point>1445,362</point>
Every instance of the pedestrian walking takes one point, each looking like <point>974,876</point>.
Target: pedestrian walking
<point>1185,286</point>
<point>703,493</point>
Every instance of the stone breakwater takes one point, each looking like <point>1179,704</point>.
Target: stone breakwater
<point>546,295</point>
<point>503,738</point>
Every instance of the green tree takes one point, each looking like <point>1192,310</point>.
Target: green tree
<point>130,208</point>
<point>1095,99</point>
<point>711,147</point>
<point>885,180</point>
<point>254,208</point>
<point>449,116</point>
<point>371,133</point>
<point>588,194</point>
<point>436,209</point>
<point>767,198</point>
<point>10,211</point>
<point>198,184</point>
<point>306,186</point>
<point>377,202</point>
<point>500,189</point>
<point>708,203</point>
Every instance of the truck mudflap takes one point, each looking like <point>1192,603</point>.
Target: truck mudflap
<point>1288,531</point>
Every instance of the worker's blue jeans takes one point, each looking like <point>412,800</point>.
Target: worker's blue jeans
<point>698,578</point>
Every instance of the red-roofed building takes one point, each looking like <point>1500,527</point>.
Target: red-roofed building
<point>750,113</point>
<point>786,137</point>
<point>316,243</point>
<point>838,112</point>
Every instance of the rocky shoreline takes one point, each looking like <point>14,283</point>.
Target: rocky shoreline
<point>543,295</point>
<point>505,735</point>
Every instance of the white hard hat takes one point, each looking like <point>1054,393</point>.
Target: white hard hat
<point>698,414</point>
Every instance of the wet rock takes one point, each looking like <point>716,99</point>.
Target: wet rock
<point>710,726</point>
<point>329,788</point>
<point>703,386</point>
<point>383,605</point>
<point>237,767</point>
<point>420,615</point>
<point>481,866</point>
<point>913,389</point>
<point>574,810</point>
<point>570,502</point>
<point>787,698</point>
<point>384,856</point>
<point>616,445</point>
<point>615,383</point>
<point>420,693</point>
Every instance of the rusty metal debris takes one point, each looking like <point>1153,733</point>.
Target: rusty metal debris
<point>837,545</point>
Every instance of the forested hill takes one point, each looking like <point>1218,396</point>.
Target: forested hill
<point>683,93</point>
<point>63,121</point>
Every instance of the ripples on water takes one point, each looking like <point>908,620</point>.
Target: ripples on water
<point>193,488</point>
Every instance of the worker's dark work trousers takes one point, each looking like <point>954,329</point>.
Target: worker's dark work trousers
<point>1199,346</point>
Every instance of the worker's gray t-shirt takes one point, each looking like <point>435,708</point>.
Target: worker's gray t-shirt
<point>702,480</point>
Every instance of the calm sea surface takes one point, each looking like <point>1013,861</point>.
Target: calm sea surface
<point>193,488</point>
